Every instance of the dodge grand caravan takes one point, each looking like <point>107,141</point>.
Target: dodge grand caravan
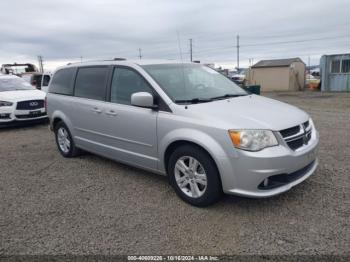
<point>185,121</point>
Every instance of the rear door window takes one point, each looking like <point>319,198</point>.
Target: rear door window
<point>62,82</point>
<point>91,82</point>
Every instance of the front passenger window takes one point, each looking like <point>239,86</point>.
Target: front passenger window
<point>125,82</point>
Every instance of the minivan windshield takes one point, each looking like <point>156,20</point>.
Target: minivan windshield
<point>193,83</point>
<point>13,84</point>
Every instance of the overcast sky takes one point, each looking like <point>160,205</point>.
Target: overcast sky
<point>65,30</point>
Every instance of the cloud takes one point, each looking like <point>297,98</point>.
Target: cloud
<point>66,30</point>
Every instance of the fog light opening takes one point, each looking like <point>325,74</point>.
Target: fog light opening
<point>266,182</point>
<point>4,116</point>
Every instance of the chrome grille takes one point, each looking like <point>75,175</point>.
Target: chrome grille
<point>30,104</point>
<point>297,136</point>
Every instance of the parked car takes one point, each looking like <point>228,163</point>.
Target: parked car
<point>19,101</point>
<point>45,80</point>
<point>312,82</point>
<point>186,121</point>
<point>239,77</point>
<point>38,80</point>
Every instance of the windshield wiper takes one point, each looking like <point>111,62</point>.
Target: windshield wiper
<point>227,96</point>
<point>194,100</point>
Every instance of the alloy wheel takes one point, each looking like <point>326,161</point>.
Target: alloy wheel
<point>190,176</point>
<point>63,140</point>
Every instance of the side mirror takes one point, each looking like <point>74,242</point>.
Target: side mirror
<point>143,99</point>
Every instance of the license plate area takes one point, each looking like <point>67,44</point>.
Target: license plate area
<point>35,113</point>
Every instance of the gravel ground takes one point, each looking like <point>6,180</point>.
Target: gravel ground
<point>91,205</point>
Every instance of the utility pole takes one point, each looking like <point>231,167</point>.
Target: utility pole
<point>309,74</point>
<point>237,52</point>
<point>190,49</point>
<point>41,66</point>
<point>251,62</point>
<point>140,55</point>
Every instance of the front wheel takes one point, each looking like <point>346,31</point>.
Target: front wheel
<point>194,176</point>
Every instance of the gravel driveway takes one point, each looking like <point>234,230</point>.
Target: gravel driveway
<point>91,205</point>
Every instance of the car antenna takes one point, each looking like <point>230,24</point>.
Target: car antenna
<point>182,62</point>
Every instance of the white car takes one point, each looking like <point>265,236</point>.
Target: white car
<point>19,101</point>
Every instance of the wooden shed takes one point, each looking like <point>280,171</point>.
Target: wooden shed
<point>278,75</point>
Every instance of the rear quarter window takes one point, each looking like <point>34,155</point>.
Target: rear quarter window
<point>62,82</point>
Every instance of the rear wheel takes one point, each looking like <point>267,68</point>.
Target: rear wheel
<point>194,176</point>
<point>64,141</point>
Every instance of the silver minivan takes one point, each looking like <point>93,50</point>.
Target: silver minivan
<point>186,121</point>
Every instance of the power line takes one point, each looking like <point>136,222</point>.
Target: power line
<point>170,51</point>
<point>215,50</point>
<point>271,43</point>
<point>296,41</point>
<point>202,35</point>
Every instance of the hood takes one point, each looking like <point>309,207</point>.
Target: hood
<point>21,95</point>
<point>249,112</point>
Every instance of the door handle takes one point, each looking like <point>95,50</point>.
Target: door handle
<point>96,110</point>
<point>111,113</point>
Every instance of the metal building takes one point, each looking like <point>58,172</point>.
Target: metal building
<point>335,72</point>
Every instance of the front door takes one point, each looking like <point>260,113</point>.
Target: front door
<point>131,130</point>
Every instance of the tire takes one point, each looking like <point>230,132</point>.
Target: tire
<point>66,149</point>
<point>189,184</point>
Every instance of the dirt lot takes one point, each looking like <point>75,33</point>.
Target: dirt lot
<point>91,205</point>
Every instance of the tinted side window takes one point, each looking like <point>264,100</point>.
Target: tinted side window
<point>91,83</point>
<point>125,82</point>
<point>62,82</point>
<point>46,80</point>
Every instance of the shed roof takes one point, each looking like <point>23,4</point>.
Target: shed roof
<point>277,62</point>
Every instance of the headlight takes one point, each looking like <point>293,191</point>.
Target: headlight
<point>253,140</point>
<point>312,124</point>
<point>5,103</point>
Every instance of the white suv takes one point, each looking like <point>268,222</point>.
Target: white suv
<point>19,101</point>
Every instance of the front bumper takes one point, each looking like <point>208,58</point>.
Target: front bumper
<point>245,174</point>
<point>11,115</point>
<point>278,190</point>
